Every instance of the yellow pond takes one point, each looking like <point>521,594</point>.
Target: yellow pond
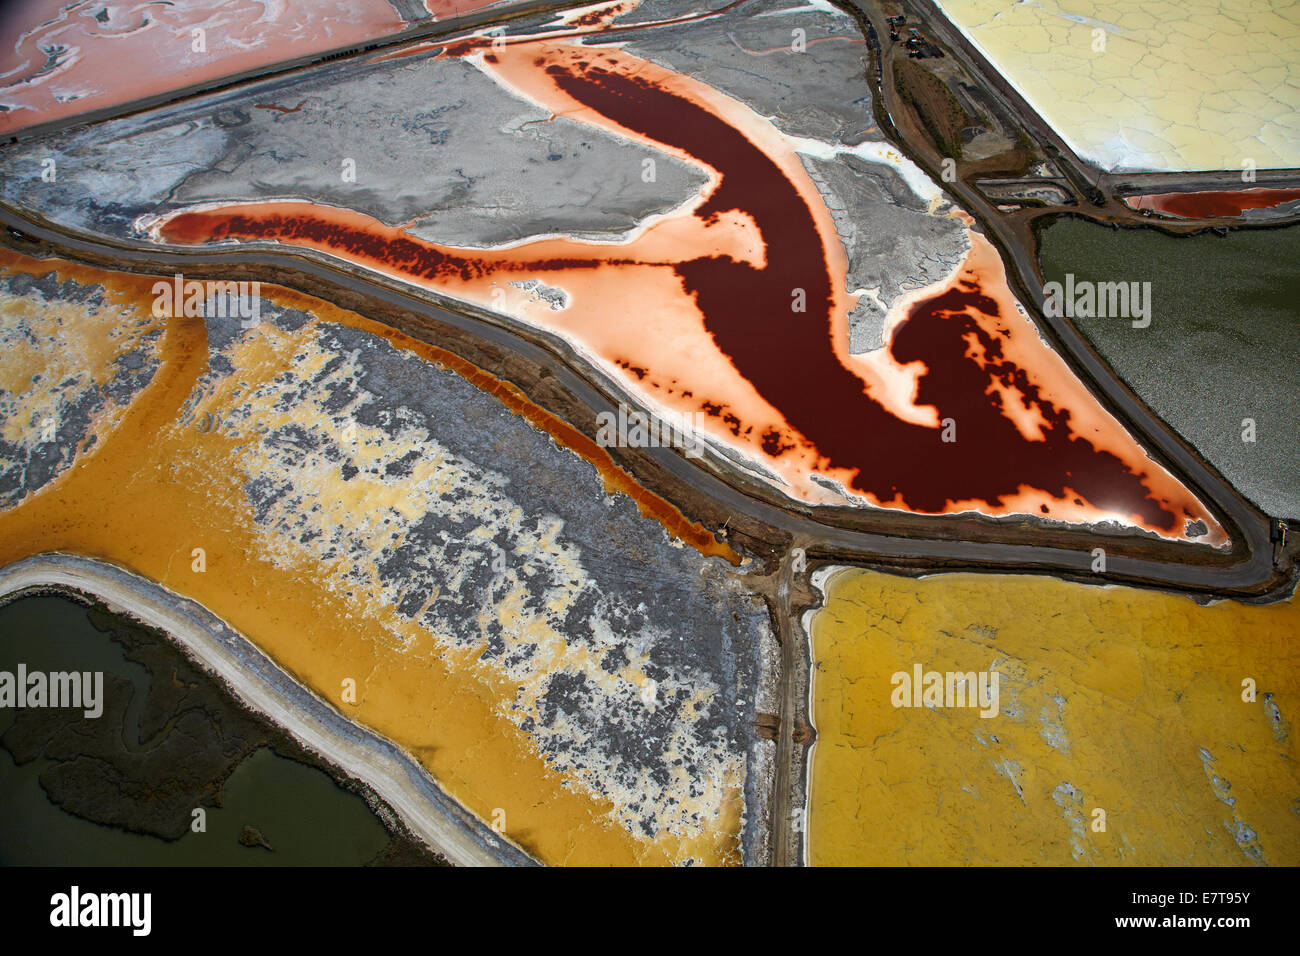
<point>1121,735</point>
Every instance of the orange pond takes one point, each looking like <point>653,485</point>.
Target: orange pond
<point>169,474</point>
<point>736,307</point>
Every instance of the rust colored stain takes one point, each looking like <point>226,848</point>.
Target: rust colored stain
<point>1213,204</point>
<point>752,283</point>
<point>280,109</point>
<point>597,14</point>
<point>359,239</point>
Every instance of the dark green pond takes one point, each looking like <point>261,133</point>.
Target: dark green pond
<point>1223,344</point>
<point>298,809</point>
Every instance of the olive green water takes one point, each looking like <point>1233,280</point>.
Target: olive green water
<point>298,809</point>
<point>1222,350</point>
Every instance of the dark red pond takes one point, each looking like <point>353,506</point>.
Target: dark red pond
<point>788,356</point>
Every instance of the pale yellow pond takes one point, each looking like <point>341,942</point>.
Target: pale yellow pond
<point>1194,85</point>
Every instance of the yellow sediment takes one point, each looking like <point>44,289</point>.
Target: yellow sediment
<point>80,353</point>
<point>1111,698</point>
<point>162,481</point>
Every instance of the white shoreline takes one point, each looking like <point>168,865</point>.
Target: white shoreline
<point>432,815</point>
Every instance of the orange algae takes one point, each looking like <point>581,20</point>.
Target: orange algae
<point>156,486</point>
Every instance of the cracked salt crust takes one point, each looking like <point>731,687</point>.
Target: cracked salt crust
<point>1195,85</point>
